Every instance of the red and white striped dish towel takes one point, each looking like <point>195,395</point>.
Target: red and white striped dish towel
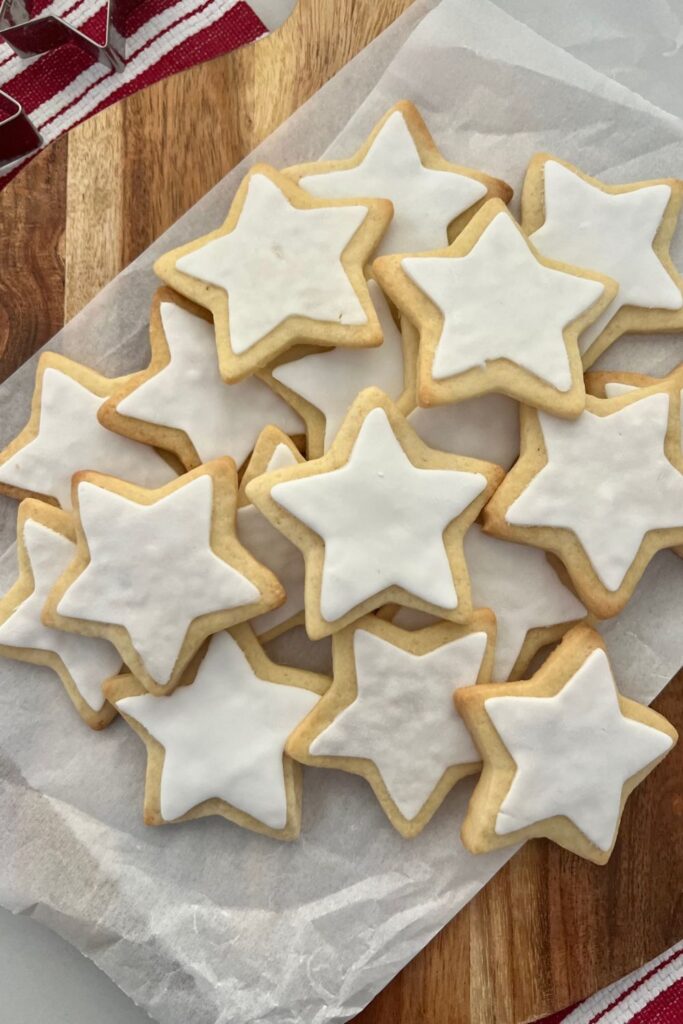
<point>61,88</point>
<point>651,995</point>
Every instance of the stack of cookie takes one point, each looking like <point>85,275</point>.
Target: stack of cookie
<point>366,411</point>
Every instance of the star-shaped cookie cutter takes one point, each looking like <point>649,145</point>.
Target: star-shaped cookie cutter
<point>30,36</point>
<point>18,137</point>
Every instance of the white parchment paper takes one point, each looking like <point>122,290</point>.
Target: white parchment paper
<point>207,923</point>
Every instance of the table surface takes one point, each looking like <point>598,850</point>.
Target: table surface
<point>549,928</point>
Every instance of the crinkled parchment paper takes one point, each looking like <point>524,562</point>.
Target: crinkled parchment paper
<point>203,921</point>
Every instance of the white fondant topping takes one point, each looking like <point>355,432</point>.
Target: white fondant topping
<point>403,717</point>
<point>381,520</point>
<point>278,262</point>
<point>500,302</point>
<point>608,480</point>
<point>612,234</point>
<point>486,427</point>
<point>573,753</point>
<point>516,582</point>
<point>274,550</point>
<point>425,200</point>
<point>71,438</point>
<point>224,735</point>
<point>88,660</point>
<point>189,394</point>
<point>331,380</point>
<point>615,389</point>
<point>152,569</point>
<point>281,456</point>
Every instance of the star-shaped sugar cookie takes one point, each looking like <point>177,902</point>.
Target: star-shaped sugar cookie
<point>400,161</point>
<point>285,269</point>
<point>181,402</point>
<point>216,745</point>
<point>273,450</point>
<point>561,751</point>
<point>611,384</point>
<point>380,518</point>
<point>623,231</point>
<point>322,386</point>
<point>156,572</point>
<point>389,714</point>
<point>604,492</point>
<point>64,436</point>
<point>531,604</point>
<point>45,548</point>
<point>494,316</point>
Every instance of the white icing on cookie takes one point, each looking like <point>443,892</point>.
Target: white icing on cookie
<point>374,514</point>
<point>152,569</point>
<point>278,262</point>
<point>88,660</point>
<point>331,380</point>
<point>71,438</point>
<point>612,234</point>
<point>274,550</point>
<point>224,735</point>
<point>486,427</point>
<point>573,753</point>
<point>519,586</point>
<point>425,200</point>
<point>500,302</point>
<point>281,456</point>
<point>189,394</point>
<point>403,717</point>
<point>615,389</point>
<point>608,480</point>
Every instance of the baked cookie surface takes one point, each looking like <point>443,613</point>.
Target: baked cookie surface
<point>432,198</point>
<point>181,403</point>
<point>216,745</point>
<point>285,269</point>
<point>156,572</point>
<point>495,316</point>
<point>362,512</point>
<point>561,751</point>
<point>623,231</point>
<point>603,492</point>
<point>389,714</point>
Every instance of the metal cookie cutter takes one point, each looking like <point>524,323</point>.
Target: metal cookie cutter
<point>29,36</point>
<point>18,137</point>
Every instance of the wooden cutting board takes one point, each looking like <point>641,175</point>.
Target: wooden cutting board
<point>549,928</point>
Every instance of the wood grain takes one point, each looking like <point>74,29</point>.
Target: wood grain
<point>32,218</point>
<point>548,928</point>
<point>94,211</point>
